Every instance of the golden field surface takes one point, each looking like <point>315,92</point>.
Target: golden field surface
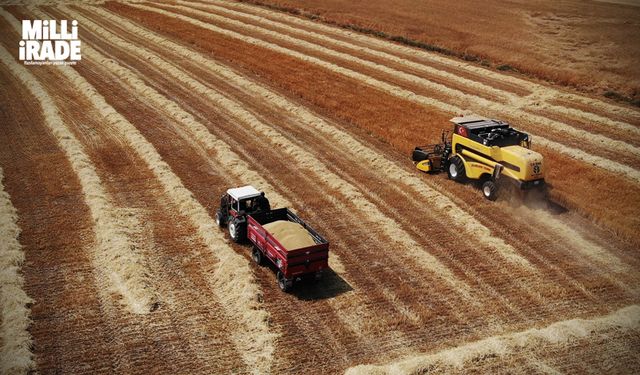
<point>589,45</point>
<point>111,172</point>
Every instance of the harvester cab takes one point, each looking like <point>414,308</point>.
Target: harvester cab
<point>235,205</point>
<point>484,150</point>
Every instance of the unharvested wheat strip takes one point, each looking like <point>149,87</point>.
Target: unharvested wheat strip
<point>605,122</point>
<point>15,339</point>
<point>209,141</point>
<point>511,100</point>
<point>391,169</point>
<point>308,161</point>
<point>114,250</point>
<point>399,92</point>
<point>234,285</point>
<point>472,102</point>
<point>558,333</point>
<point>390,47</point>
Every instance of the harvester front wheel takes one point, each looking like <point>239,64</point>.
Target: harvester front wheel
<point>456,170</point>
<point>490,190</point>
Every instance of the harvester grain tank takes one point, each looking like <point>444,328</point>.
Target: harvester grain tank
<point>486,150</point>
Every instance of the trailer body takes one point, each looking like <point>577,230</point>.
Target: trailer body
<point>291,264</point>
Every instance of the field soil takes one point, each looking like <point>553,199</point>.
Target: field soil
<point>588,45</point>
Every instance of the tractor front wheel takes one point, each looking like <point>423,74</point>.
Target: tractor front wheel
<point>456,170</point>
<point>490,190</point>
<point>219,219</point>
<point>235,231</point>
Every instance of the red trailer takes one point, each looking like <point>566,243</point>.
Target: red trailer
<point>292,264</point>
<point>245,210</point>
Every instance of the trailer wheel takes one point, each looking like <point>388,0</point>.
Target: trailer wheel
<point>256,255</point>
<point>219,219</point>
<point>235,231</point>
<point>456,170</point>
<point>490,190</point>
<point>283,283</point>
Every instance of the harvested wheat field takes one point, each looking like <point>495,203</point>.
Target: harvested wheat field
<point>111,171</point>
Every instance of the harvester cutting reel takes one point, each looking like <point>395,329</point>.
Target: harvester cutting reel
<point>433,158</point>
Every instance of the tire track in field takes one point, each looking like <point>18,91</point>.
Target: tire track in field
<point>599,161</point>
<point>115,250</point>
<point>206,64</point>
<point>559,333</point>
<point>239,300</point>
<point>510,99</point>
<point>15,353</point>
<point>474,102</point>
<point>430,57</point>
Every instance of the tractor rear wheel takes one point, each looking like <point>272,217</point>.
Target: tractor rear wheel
<point>456,170</point>
<point>490,190</point>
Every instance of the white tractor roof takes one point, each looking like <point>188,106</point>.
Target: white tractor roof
<point>244,192</point>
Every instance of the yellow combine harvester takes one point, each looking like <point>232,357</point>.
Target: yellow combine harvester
<point>484,150</point>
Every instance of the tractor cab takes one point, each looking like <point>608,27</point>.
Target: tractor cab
<point>239,202</point>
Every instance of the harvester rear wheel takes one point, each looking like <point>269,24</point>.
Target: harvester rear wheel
<point>490,190</point>
<point>456,170</point>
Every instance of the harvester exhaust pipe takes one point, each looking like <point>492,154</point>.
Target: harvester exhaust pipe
<point>497,169</point>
